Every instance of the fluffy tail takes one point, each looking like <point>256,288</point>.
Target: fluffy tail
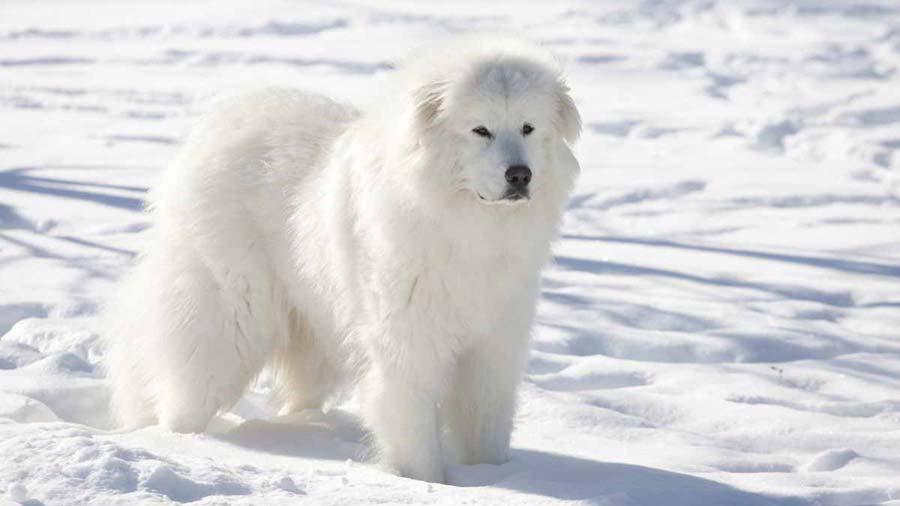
<point>125,323</point>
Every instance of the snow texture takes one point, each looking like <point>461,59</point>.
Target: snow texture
<point>719,327</point>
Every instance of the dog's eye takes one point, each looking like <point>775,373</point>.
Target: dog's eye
<point>527,129</point>
<point>483,132</point>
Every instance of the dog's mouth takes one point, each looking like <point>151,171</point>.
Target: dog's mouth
<point>511,197</point>
<point>515,195</point>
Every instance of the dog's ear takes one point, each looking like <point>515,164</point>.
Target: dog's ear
<point>428,101</point>
<point>568,117</point>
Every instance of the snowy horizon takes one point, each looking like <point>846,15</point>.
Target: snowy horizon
<point>720,324</point>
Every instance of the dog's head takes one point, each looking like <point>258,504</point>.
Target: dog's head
<point>495,125</point>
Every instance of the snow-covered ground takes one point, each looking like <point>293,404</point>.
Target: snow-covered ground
<point>721,325</point>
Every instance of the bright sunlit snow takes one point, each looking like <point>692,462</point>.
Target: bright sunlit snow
<point>721,325</point>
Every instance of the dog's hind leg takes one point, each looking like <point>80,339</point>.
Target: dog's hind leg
<point>219,333</point>
<point>304,376</point>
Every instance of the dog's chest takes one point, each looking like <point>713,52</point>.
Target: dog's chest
<point>473,299</point>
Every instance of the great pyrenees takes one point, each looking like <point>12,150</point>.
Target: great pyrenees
<point>398,248</point>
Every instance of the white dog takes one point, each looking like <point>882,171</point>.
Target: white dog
<point>400,247</point>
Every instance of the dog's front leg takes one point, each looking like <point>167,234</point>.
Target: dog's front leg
<point>481,401</point>
<point>402,389</point>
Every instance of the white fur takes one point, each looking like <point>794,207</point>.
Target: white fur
<point>344,247</point>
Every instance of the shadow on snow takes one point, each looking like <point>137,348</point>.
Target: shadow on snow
<point>812,261</point>
<point>337,435</point>
<point>18,179</point>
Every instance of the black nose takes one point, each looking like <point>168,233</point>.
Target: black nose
<point>518,176</point>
